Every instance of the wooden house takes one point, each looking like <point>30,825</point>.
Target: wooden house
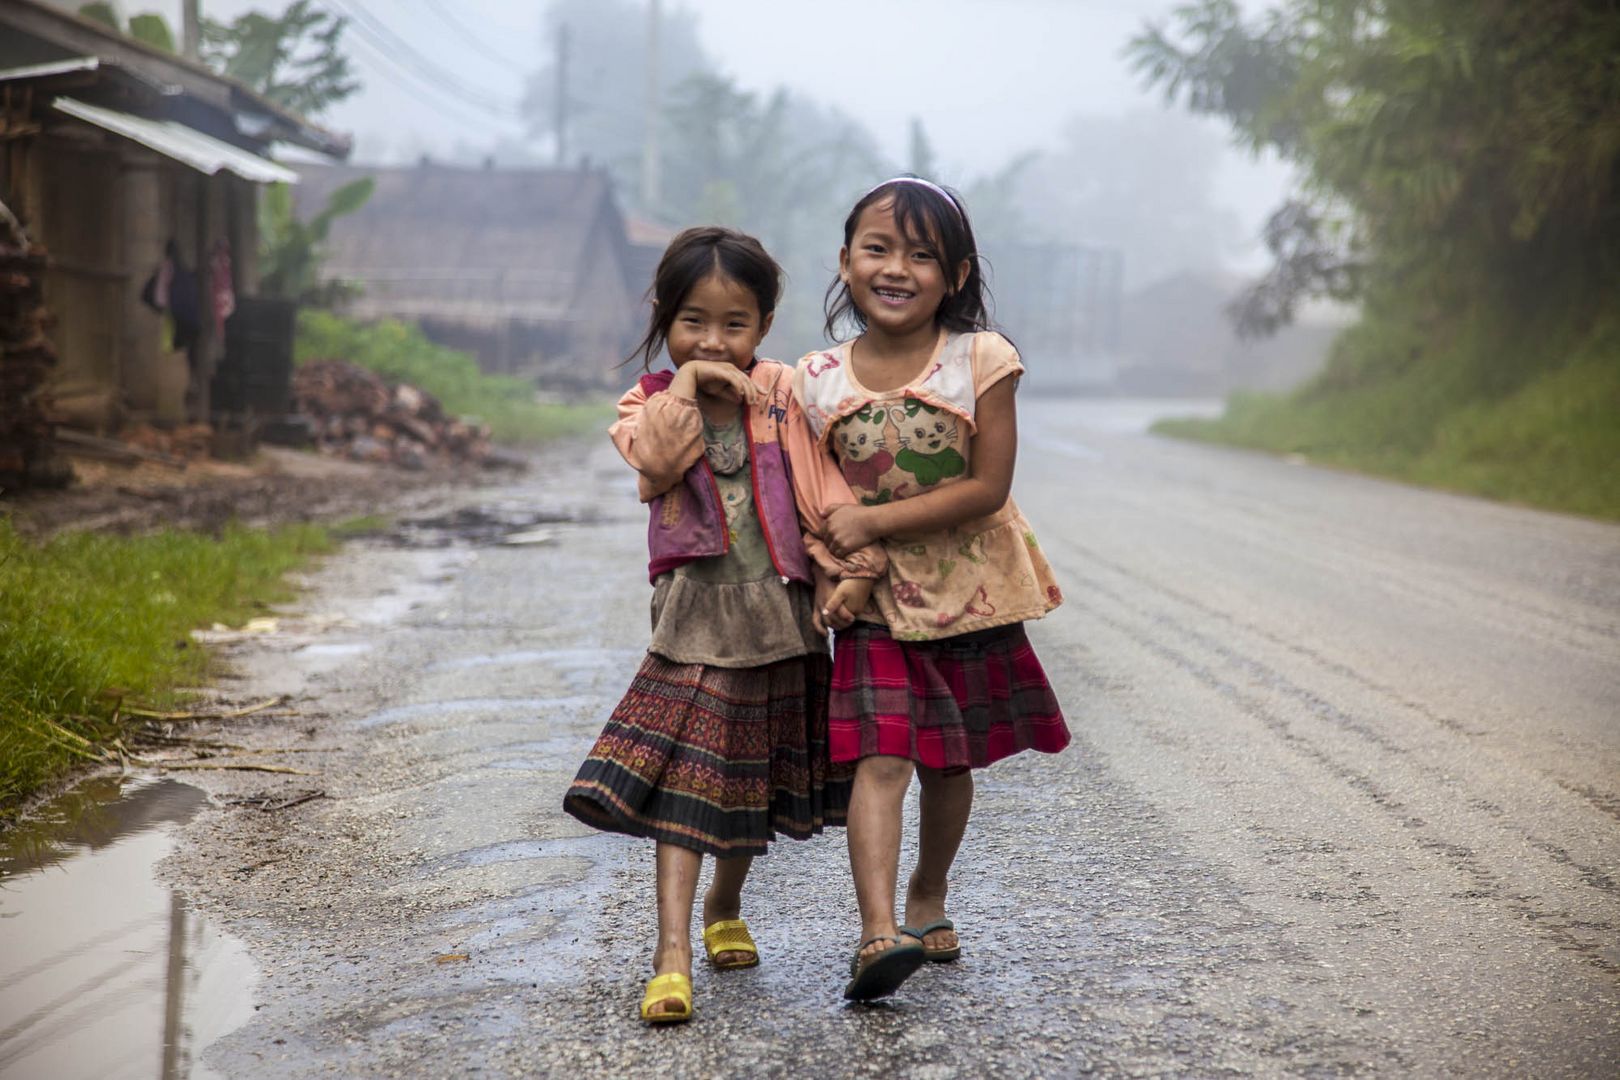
<point>530,270</point>
<point>113,153</point>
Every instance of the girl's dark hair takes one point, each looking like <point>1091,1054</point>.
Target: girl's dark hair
<point>930,218</point>
<point>693,256</point>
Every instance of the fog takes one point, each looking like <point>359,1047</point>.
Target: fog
<point>987,81</point>
<point>1027,106</point>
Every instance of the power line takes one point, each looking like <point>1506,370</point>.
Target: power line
<point>418,89</point>
<point>401,53</point>
<point>475,41</point>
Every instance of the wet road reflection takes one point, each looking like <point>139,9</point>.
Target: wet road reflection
<point>104,972</point>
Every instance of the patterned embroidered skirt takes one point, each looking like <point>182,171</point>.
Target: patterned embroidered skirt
<point>951,703</point>
<point>719,760</point>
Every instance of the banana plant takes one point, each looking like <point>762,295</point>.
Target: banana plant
<point>290,251</point>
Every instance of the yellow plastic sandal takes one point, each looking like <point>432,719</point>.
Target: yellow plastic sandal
<point>730,936</point>
<point>664,988</point>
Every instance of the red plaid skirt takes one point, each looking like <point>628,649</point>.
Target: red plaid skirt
<point>952,703</point>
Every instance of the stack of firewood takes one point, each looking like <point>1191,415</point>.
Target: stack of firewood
<point>358,415</point>
<point>27,453</point>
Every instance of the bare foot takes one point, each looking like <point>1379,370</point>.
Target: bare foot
<point>924,907</point>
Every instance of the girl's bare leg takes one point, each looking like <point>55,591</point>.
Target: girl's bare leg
<point>677,886</point>
<point>723,900</point>
<point>874,843</point>
<point>947,800</point>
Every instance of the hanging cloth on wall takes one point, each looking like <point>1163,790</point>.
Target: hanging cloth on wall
<point>172,288</point>
<point>219,285</point>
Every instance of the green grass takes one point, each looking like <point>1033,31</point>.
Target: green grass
<point>363,525</point>
<point>399,351</point>
<point>86,619</point>
<point>1531,417</point>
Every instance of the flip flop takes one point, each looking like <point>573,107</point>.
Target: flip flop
<point>730,936</point>
<point>936,956</point>
<point>662,988</point>
<point>881,974</point>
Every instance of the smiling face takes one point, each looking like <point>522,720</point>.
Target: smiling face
<point>718,320</point>
<point>896,281</point>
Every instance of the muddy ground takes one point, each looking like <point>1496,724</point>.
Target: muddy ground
<point>275,487</point>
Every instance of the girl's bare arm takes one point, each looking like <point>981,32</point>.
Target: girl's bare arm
<point>982,491</point>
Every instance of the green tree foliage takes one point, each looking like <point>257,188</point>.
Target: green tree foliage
<point>103,13</point>
<point>290,250</point>
<point>1461,165</point>
<point>149,28</point>
<point>295,60</point>
<point>153,30</point>
<point>1461,145</point>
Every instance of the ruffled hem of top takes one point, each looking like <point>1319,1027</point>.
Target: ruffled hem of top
<point>1016,584</point>
<point>733,625</point>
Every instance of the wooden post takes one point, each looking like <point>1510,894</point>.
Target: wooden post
<point>650,179</point>
<point>190,29</point>
<point>560,107</point>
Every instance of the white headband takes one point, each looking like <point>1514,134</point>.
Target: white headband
<point>929,184</point>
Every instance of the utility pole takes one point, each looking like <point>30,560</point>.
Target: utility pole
<point>560,114</point>
<point>653,120</point>
<point>190,29</point>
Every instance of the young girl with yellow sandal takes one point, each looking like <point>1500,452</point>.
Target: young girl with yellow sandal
<point>720,744</point>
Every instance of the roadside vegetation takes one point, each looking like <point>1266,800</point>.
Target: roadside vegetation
<point>1469,414</point>
<point>1460,170</point>
<point>399,351</point>
<point>92,625</point>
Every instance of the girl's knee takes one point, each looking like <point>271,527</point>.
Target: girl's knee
<point>885,770</point>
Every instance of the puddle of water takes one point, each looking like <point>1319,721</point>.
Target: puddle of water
<point>336,649</point>
<point>521,656</point>
<point>473,525</point>
<point>567,660</point>
<point>450,710</point>
<point>543,753</point>
<point>104,972</point>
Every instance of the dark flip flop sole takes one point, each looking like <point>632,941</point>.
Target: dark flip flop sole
<point>935,956</point>
<point>883,974</point>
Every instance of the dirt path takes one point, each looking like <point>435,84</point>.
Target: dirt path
<point>277,487</point>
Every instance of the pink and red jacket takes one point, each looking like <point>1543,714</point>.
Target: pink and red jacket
<point>795,481</point>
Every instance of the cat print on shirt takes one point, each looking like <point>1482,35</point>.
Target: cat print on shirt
<point>926,433</point>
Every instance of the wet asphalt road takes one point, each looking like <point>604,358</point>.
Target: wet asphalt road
<point>1344,798</point>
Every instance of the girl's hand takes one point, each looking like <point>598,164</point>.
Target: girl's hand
<point>824,591</point>
<point>847,601</point>
<point>849,528</point>
<point>716,379</point>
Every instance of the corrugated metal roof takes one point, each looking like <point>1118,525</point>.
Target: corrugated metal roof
<point>56,67</point>
<point>186,145</point>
